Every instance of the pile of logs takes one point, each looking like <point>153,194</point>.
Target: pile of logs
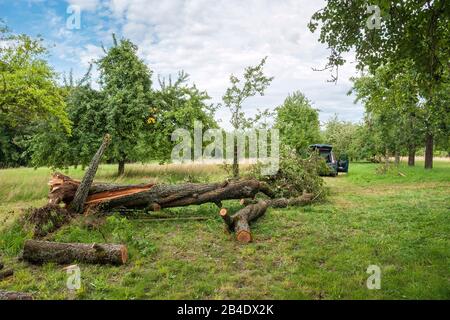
<point>239,222</point>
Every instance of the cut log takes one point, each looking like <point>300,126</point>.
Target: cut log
<point>304,200</point>
<point>240,221</point>
<point>82,192</point>
<point>246,202</point>
<point>227,219</point>
<point>39,252</point>
<point>243,218</point>
<point>8,295</point>
<point>6,274</point>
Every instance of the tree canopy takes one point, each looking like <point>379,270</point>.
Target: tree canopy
<point>126,85</point>
<point>298,122</point>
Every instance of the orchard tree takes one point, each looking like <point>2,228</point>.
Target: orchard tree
<point>298,123</point>
<point>254,82</point>
<point>126,86</point>
<point>29,95</point>
<point>51,146</point>
<point>343,136</point>
<point>175,105</point>
<point>392,101</point>
<point>387,31</point>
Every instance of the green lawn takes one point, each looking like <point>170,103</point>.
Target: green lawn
<point>400,223</point>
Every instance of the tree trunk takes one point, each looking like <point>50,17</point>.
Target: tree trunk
<point>39,252</point>
<point>8,295</point>
<point>121,169</point>
<point>82,192</point>
<point>397,157</point>
<point>429,151</point>
<point>235,159</point>
<point>106,197</point>
<point>411,155</point>
<point>240,221</point>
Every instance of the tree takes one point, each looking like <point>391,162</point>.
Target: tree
<point>392,101</point>
<point>343,136</point>
<point>175,105</point>
<point>126,84</point>
<point>29,95</point>
<point>254,82</point>
<point>298,123</point>
<point>51,146</point>
<point>405,30</point>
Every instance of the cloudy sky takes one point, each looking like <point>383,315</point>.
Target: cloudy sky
<point>208,39</point>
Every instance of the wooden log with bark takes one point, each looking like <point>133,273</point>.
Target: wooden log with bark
<point>39,252</point>
<point>240,221</point>
<point>81,194</point>
<point>9,295</point>
<point>105,197</point>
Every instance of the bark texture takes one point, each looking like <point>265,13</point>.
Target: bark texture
<point>8,295</point>
<point>429,151</point>
<point>240,221</point>
<point>82,192</point>
<point>154,197</point>
<point>411,155</point>
<point>39,252</point>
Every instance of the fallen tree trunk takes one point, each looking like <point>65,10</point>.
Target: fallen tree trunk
<point>39,252</point>
<point>105,197</point>
<point>8,295</point>
<point>240,221</point>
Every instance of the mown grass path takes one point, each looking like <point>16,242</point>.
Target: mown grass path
<point>400,223</point>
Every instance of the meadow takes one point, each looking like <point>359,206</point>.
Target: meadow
<point>399,222</point>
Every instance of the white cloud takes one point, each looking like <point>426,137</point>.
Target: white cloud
<point>89,53</point>
<point>212,39</point>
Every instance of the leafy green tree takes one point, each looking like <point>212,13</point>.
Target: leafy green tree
<point>51,146</point>
<point>343,136</point>
<point>175,105</point>
<point>29,95</point>
<point>298,123</point>
<point>253,83</point>
<point>417,31</point>
<point>391,98</point>
<point>126,86</point>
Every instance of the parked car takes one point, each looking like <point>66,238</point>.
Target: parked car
<point>326,152</point>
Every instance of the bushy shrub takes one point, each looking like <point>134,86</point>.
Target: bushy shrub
<point>295,175</point>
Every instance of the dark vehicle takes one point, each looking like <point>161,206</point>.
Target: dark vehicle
<point>326,152</point>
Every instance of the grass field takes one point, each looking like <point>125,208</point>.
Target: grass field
<point>400,223</point>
